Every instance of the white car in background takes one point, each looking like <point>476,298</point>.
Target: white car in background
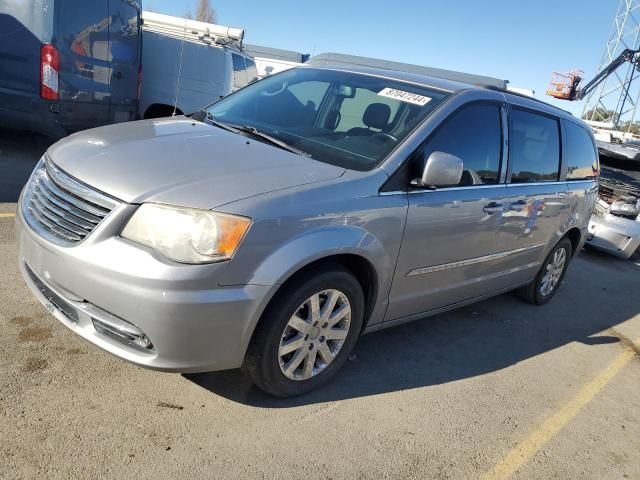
<point>615,224</point>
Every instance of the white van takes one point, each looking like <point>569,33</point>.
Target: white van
<point>187,64</point>
<point>269,66</point>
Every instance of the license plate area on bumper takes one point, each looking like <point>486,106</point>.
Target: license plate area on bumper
<point>61,305</point>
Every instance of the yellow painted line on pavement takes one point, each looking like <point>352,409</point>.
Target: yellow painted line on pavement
<point>539,437</point>
<point>7,215</point>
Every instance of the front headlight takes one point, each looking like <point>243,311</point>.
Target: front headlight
<point>186,235</point>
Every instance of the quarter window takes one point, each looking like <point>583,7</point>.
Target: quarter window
<point>582,160</point>
<point>239,72</point>
<point>252,72</point>
<point>473,134</point>
<point>534,148</point>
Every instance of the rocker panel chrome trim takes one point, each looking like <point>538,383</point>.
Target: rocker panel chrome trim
<point>472,261</point>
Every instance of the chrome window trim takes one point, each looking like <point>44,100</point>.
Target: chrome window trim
<point>442,189</point>
<point>472,261</point>
<point>454,189</point>
<point>530,184</point>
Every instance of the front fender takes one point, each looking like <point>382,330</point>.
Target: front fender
<point>315,245</point>
<point>300,251</point>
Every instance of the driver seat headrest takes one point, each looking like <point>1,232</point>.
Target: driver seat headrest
<point>377,116</point>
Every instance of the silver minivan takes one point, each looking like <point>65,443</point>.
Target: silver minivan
<point>271,229</point>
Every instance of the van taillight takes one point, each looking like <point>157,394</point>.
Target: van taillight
<point>49,72</point>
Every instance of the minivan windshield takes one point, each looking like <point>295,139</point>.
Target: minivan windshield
<point>346,119</point>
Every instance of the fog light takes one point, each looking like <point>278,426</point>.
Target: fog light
<point>144,341</point>
<point>122,332</point>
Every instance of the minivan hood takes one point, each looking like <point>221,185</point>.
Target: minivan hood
<point>182,162</point>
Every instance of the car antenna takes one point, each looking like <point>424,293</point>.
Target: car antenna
<point>184,36</point>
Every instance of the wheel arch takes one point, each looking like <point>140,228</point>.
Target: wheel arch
<point>575,236</point>
<point>359,266</point>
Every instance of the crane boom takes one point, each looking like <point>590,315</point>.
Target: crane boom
<point>627,55</point>
<point>564,86</point>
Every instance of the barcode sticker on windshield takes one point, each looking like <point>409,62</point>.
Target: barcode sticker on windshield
<point>405,96</point>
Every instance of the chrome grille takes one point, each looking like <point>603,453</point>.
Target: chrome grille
<point>61,209</point>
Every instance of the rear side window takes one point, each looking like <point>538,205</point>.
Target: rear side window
<point>239,73</point>
<point>534,148</point>
<point>252,71</point>
<point>473,134</point>
<point>582,160</point>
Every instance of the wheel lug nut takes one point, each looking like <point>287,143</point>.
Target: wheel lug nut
<point>322,339</point>
<point>325,325</point>
<point>306,337</point>
<point>311,346</point>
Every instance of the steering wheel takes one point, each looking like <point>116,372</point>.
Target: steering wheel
<point>384,137</point>
<point>280,90</point>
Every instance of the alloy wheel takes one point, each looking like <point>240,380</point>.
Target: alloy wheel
<point>553,272</point>
<point>314,334</point>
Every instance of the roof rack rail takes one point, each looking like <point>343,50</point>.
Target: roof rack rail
<point>192,29</point>
<point>341,59</point>
<point>521,95</point>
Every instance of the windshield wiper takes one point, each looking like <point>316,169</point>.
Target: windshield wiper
<point>272,140</point>
<point>210,119</point>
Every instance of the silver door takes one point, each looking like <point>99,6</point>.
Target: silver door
<point>538,203</point>
<point>450,249</point>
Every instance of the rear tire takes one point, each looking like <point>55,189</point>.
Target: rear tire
<point>294,349</point>
<point>550,276</point>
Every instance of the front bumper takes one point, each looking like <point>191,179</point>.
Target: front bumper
<point>193,323</point>
<point>615,235</point>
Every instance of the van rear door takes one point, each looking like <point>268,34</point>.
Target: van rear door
<point>124,56</point>
<point>24,28</point>
<point>82,38</point>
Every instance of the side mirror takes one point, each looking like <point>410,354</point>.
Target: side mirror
<point>440,170</point>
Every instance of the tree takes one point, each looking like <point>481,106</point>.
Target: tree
<point>205,12</point>
<point>631,127</point>
<point>599,114</point>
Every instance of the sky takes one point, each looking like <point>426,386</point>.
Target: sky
<point>521,41</point>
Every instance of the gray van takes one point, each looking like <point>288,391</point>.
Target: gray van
<point>67,65</point>
<point>273,228</point>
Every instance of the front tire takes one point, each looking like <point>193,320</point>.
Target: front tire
<point>550,276</point>
<point>307,332</point>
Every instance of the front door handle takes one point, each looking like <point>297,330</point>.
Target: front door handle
<point>493,207</point>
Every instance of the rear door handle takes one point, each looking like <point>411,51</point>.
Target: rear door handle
<point>518,206</point>
<point>493,207</point>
